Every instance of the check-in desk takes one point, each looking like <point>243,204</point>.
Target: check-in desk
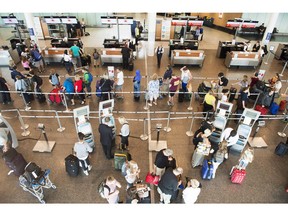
<point>187,57</point>
<point>54,55</point>
<point>58,42</point>
<point>187,44</point>
<point>242,59</point>
<point>228,46</point>
<point>114,43</point>
<point>111,55</point>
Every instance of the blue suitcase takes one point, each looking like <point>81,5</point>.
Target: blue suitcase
<point>207,170</point>
<point>274,108</point>
<point>281,149</point>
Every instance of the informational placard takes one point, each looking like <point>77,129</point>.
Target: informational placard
<point>69,20</point>
<point>52,20</point>
<point>110,72</point>
<point>9,20</point>
<point>31,31</point>
<point>195,22</point>
<point>261,74</point>
<point>165,30</point>
<point>179,21</point>
<point>125,20</point>
<point>108,20</point>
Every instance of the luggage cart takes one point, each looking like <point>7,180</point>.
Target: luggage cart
<point>36,187</point>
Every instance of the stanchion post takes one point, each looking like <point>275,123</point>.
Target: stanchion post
<point>144,136</point>
<point>23,126</point>
<point>60,129</point>
<point>283,134</point>
<point>146,100</point>
<point>190,133</point>
<point>167,128</point>
<point>65,103</point>
<point>26,105</point>
<point>190,104</point>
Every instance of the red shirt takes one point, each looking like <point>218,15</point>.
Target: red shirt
<point>174,84</point>
<point>79,84</point>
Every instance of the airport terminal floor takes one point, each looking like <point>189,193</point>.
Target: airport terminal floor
<point>267,175</point>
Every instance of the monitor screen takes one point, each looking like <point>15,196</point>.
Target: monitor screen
<point>224,106</point>
<point>107,105</point>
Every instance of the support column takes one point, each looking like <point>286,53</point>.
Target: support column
<point>269,28</point>
<point>31,27</point>
<point>151,33</point>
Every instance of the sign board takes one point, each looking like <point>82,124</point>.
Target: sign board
<point>68,20</point>
<point>110,72</point>
<point>178,22</point>
<point>195,22</point>
<point>106,20</point>
<point>261,74</point>
<point>31,31</point>
<point>125,20</point>
<point>233,24</point>
<point>268,36</point>
<point>52,20</point>
<point>249,24</point>
<point>9,20</point>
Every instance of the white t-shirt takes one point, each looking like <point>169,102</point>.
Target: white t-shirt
<point>120,78</point>
<point>3,137</point>
<point>190,195</point>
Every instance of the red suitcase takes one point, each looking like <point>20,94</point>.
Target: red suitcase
<point>238,176</point>
<point>262,110</point>
<point>282,105</point>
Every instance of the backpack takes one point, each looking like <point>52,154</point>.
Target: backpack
<point>54,79</point>
<point>101,187</point>
<point>27,84</point>
<point>37,55</point>
<point>95,55</point>
<point>38,80</point>
<point>225,81</point>
<point>89,78</point>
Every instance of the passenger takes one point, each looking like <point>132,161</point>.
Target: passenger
<point>231,136</point>
<point>4,86</point>
<point>224,95</point>
<point>54,78</point>
<point>87,79</point>
<point>125,51</point>
<point>76,55</point>
<point>67,61</point>
<point>78,85</point>
<point>132,173</point>
<point>173,87</point>
<point>159,50</point>
<point>209,104</point>
<point>106,137</point>
<point>246,157</point>
<point>119,82</point>
<point>82,150</point>
<point>186,77</point>
<point>112,193</point>
<point>243,83</point>
<point>137,82</point>
<point>25,63</point>
<point>106,86</point>
<point>162,161</point>
<point>220,83</point>
<point>124,132</point>
<point>168,184</point>
<point>153,89</point>
<point>15,72</point>
<point>191,192</point>
<point>68,87</point>
<point>96,58</point>
<point>254,80</point>
<point>242,100</point>
<point>220,155</point>
<point>256,47</point>
<point>201,137</point>
<point>38,59</point>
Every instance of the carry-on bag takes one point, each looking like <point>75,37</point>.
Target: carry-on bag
<point>197,158</point>
<point>72,165</point>
<point>262,110</point>
<point>232,94</point>
<point>281,149</point>
<point>207,170</point>
<point>120,157</point>
<point>151,178</point>
<point>282,105</point>
<point>181,95</point>
<point>274,108</point>
<point>238,175</point>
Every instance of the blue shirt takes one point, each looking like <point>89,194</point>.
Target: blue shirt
<point>75,51</point>
<point>68,85</point>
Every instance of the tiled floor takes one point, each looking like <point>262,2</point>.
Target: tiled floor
<point>266,177</point>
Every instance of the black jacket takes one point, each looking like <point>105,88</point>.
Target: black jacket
<point>106,134</point>
<point>168,182</point>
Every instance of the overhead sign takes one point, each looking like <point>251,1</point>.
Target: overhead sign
<point>106,20</point>
<point>195,22</point>
<point>125,20</point>
<point>179,21</point>
<point>9,20</point>
<point>69,20</point>
<point>233,23</point>
<point>52,20</point>
<point>249,24</point>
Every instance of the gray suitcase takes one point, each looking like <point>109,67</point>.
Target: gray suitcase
<point>197,159</point>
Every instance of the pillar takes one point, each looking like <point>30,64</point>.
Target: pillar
<point>31,27</point>
<point>269,29</point>
<point>151,33</point>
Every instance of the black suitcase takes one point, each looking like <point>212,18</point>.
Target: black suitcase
<point>72,165</point>
<point>9,155</point>
<point>281,149</point>
<point>181,95</point>
<point>232,94</point>
<point>17,164</point>
<point>131,66</point>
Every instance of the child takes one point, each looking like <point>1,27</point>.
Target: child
<point>25,64</point>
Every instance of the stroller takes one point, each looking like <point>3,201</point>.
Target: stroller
<point>34,180</point>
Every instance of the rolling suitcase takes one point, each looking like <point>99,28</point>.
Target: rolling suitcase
<point>131,66</point>
<point>238,175</point>
<point>72,165</point>
<point>181,96</point>
<point>282,105</point>
<point>262,110</point>
<point>15,161</point>
<point>40,97</point>
<point>281,149</point>
<point>120,157</point>
<point>207,170</point>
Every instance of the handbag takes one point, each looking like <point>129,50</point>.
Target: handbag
<point>151,178</point>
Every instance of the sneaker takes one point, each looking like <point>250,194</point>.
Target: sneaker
<point>211,151</point>
<point>73,104</point>
<point>86,172</point>
<point>155,103</point>
<point>89,168</point>
<point>82,102</point>
<point>149,104</point>
<point>168,102</point>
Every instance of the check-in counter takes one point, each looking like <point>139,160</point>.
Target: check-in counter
<point>111,55</point>
<point>54,55</point>
<point>187,57</point>
<point>187,44</point>
<point>228,46</point>
<point>242,59</point>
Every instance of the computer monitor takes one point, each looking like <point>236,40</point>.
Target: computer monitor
<point>224,106</point>
<point>106,104</point>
